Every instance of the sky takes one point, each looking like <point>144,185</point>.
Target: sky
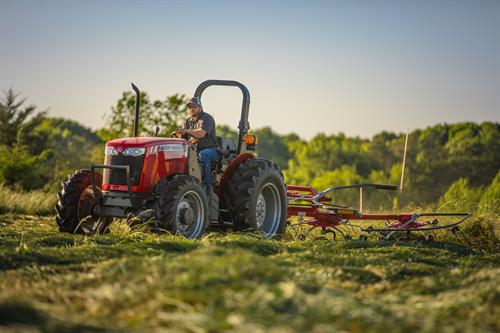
<point>356,67</point>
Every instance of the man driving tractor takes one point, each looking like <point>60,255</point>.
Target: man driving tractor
<point>201,126</point>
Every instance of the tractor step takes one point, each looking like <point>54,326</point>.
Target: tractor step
<point>225,216</point>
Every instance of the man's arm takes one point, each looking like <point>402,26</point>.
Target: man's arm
<point>196,133</point>
<point>205,126</point>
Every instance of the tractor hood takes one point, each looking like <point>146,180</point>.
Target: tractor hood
<point>142,141</point>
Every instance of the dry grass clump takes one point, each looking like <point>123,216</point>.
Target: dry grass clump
<point>482,234</point>
<point>35,202</point>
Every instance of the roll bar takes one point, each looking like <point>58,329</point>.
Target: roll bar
<point>243,126</point>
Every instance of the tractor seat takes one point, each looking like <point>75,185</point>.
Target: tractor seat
<point>226,148</point>
<point>220,143</point>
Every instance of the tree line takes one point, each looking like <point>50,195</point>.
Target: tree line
<point>443,162</point>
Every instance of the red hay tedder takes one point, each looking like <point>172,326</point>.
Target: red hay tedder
<point>156,181</point>
<point>316,210</point>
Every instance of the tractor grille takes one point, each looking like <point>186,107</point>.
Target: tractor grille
<point>118,177</point>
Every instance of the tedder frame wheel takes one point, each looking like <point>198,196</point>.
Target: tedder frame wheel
<point>256,196</point>
<point>78,207</point>
<point>181,206</point>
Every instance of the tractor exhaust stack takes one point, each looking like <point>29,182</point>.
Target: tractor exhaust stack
<point>137,104</point>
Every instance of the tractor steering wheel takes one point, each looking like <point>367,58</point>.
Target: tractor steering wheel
<point>186,136</point>
<point>177,134</point>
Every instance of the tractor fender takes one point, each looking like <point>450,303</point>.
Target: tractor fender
<point>229,170</point>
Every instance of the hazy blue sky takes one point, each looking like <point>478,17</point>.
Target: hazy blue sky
<point>356,67</point>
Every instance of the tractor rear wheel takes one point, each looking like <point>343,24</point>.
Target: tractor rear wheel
<point>77,208</point>
<point>181,206</point>
<point>256,196</point>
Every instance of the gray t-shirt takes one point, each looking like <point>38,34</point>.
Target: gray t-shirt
<point>205,122</point>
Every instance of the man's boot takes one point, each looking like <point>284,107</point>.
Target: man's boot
<point>208,191</point>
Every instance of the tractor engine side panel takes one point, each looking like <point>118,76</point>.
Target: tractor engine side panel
<point>161,164</point>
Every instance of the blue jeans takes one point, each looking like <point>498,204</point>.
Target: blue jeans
<point>206,156</point>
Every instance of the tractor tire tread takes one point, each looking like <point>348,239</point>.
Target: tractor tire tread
<point>67,206</point>
<point>240,189</point>
<point>168,192</point>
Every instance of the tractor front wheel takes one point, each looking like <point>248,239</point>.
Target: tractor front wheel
<point>181,206</point>
<point>78,207</point>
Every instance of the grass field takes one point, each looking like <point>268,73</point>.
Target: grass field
<point>53,282</point>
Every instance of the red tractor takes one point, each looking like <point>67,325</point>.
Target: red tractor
<point>158,180</point>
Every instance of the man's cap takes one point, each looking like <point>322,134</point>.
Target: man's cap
<point>194,101</point>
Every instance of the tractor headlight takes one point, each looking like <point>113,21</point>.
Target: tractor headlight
<point>134,151</point>
<point>110,150</point>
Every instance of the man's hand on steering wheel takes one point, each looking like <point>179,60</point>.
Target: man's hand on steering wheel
<point>176,134</point>
<point>182,133</point>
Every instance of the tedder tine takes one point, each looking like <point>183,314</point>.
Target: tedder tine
<point>456,230</point>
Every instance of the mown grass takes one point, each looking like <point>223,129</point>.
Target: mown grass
<point>134,281</point>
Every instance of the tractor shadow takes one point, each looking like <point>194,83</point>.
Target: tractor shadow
<point>455,248</point>
<point>71,250</point>
<point>22,317</point>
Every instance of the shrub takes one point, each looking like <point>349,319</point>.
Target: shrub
<point>19,167</point>
<point>490,201</point>
<point>461,197</point>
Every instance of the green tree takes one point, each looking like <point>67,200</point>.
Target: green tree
<point>490,201</point>
<point>273,146</point>
<point>326,153</point>
<point>19,168</point>
<point>345,175</point>
<point>166,114</point>
<point>461,197</point>
<point>449,152</point>
<point>13,114</point>
<point>227,132</point>
<point>70,146</point>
